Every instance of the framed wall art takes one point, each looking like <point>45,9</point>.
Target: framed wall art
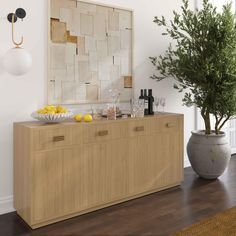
<point>90,52</point>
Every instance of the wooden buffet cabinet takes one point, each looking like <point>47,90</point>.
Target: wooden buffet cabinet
<point>69,169</point>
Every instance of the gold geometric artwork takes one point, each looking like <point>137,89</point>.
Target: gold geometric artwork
<point>90,50</point>
<point>58,31</point>
<point>128,82</point>
<point>71,38</point>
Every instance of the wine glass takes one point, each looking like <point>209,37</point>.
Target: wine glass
<point>157,103</point>
<point>163,103</point>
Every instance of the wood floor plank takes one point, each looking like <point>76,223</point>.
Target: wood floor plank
<point>158,214</point>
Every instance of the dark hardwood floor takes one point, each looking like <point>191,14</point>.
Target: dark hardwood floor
<point>160,214</point>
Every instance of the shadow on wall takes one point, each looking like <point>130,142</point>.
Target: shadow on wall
<point>1,67</point>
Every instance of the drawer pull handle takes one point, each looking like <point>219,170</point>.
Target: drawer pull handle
<point>139,128</point>
<point>170,125</point>
<point>103,133</point>
<point>58,138</point>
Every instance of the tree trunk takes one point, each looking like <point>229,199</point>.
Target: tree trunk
<point>217,127</point>
<point>207,121</point>
<point>217,124</point>
<point>217,131</point>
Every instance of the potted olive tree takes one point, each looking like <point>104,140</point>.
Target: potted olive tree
<point>202,60</point>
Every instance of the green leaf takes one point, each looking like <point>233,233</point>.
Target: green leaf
<point>203,58</point>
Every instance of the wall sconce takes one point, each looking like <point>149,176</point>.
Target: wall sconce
<point>17,61</point>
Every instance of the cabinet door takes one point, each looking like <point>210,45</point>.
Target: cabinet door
<point>58,183</point>
<point>106,171</point>
<point>154,162</point>
<point>74,179</point>
<point>172,152</point>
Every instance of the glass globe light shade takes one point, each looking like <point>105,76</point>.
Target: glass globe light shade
<point>17,61</point>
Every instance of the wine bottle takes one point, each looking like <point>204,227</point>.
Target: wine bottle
<point>141,95</point>
<point>145,96</point>
<point>150,102</point>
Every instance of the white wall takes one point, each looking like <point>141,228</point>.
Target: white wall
<point>20,96</point>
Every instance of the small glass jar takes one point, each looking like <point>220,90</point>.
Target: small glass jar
<point>137,108</point>
<point>111,111</point>
<point>97,115</point>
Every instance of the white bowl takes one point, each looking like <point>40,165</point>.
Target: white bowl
<point>52,118</point>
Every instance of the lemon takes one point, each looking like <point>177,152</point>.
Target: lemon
<point>42,111</point>
<point>51,112</point>
<point>61,109</point>
<point>88,118</point>
<point>78,118</point>
<point>50,109</point>
<point>64,110</point>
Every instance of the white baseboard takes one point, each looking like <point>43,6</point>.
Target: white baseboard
<point>233,151</point>
<point>6,205</point>
<point>186,161</point>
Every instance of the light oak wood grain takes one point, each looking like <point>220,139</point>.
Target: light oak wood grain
<point>71,168</point>
<point>22,172</point>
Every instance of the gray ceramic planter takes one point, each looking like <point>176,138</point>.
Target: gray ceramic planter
<point>209,155</point>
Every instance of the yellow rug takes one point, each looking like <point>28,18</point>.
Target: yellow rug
<point>222,224</point>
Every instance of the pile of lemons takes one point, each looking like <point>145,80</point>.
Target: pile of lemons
<point>52,110</point>
<point>86,118</point>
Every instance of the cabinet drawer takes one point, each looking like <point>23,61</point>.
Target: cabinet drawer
<point>56,137</point>
<point>103,132</point>
<point>171,124</point>
<point>139,128</point>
